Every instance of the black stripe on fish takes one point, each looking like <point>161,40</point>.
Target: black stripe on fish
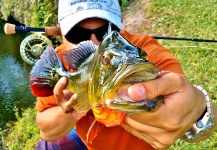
<point>76,56</point>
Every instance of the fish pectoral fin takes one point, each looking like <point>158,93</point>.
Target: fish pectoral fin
<point>93,131</point>
<point>136,107</point>
<point>81,103</point>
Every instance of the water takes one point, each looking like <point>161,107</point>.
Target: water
<point>14,79</point>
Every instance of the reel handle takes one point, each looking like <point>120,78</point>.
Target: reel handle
<point>49,31</point>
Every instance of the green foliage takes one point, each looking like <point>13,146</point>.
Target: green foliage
<point>18,8</point>
<point>22,134</point>
<point>1,20</point>
<point>44,13</point>
<point>124,3</point>
<point>183,18</point>
<point>36,13</point>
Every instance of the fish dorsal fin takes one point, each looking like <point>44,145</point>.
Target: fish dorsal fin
<point>76,56</point>
<point>81,103</point>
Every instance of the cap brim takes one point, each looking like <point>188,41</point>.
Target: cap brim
<point>70,21</point>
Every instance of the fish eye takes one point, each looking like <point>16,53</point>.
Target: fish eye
<point>54,73</point>
<point>106,58</point>
<point>129,48</point>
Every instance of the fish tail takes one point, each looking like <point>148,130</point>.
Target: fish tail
<point>45,73</point>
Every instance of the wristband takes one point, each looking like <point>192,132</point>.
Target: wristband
<point>204,123</point>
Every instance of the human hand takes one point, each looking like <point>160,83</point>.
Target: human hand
<point>183,105</point>
<point>65,97</point>
<point>53,122</point>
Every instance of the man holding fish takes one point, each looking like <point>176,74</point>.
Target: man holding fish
<point>101,91</point>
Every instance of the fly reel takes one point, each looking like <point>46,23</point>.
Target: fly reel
<point>32,47</point>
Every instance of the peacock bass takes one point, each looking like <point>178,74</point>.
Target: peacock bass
<point>103,74</point>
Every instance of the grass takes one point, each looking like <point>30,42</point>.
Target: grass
<point>22,134</point>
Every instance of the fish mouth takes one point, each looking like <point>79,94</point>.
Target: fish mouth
<point>116,95</point>
<point>116,90</point>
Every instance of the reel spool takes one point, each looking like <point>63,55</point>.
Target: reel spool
<point>33,46</point>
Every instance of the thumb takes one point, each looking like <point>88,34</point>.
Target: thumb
<point>58,91</point>
<point>164,85</point>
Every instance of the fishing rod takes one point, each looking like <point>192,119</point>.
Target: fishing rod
<point>53,31</point>
<point>12,29</point>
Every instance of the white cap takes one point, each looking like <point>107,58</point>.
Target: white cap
<point>71,12</point>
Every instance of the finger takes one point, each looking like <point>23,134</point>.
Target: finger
<point>146,133</point>
<point>165,85</point>
<point>141,127</point>
<point>148,139</point>
<point>58,90</point>
<point>162,137</point>
<point>67,94</point>
<point>68,105</point>
<point>136,133</point>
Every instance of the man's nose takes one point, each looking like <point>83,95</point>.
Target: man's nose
<point>94,39</point>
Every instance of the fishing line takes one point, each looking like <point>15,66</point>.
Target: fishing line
<point>174,46</point>
<point>183,39</point>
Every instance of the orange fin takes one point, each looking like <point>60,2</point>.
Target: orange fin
<point>93,131</point>
<point>108,117</point>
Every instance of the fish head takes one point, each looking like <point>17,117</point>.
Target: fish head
<point>119,63</point>
<point>117,53</point>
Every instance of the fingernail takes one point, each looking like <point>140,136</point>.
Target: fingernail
<point>63,79</point>
<point>137,92</point>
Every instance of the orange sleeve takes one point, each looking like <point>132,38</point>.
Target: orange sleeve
<point>157,54</point>
<point>61,50</point>
<point>45,102</point>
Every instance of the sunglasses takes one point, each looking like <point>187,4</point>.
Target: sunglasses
<point>78,34</point>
